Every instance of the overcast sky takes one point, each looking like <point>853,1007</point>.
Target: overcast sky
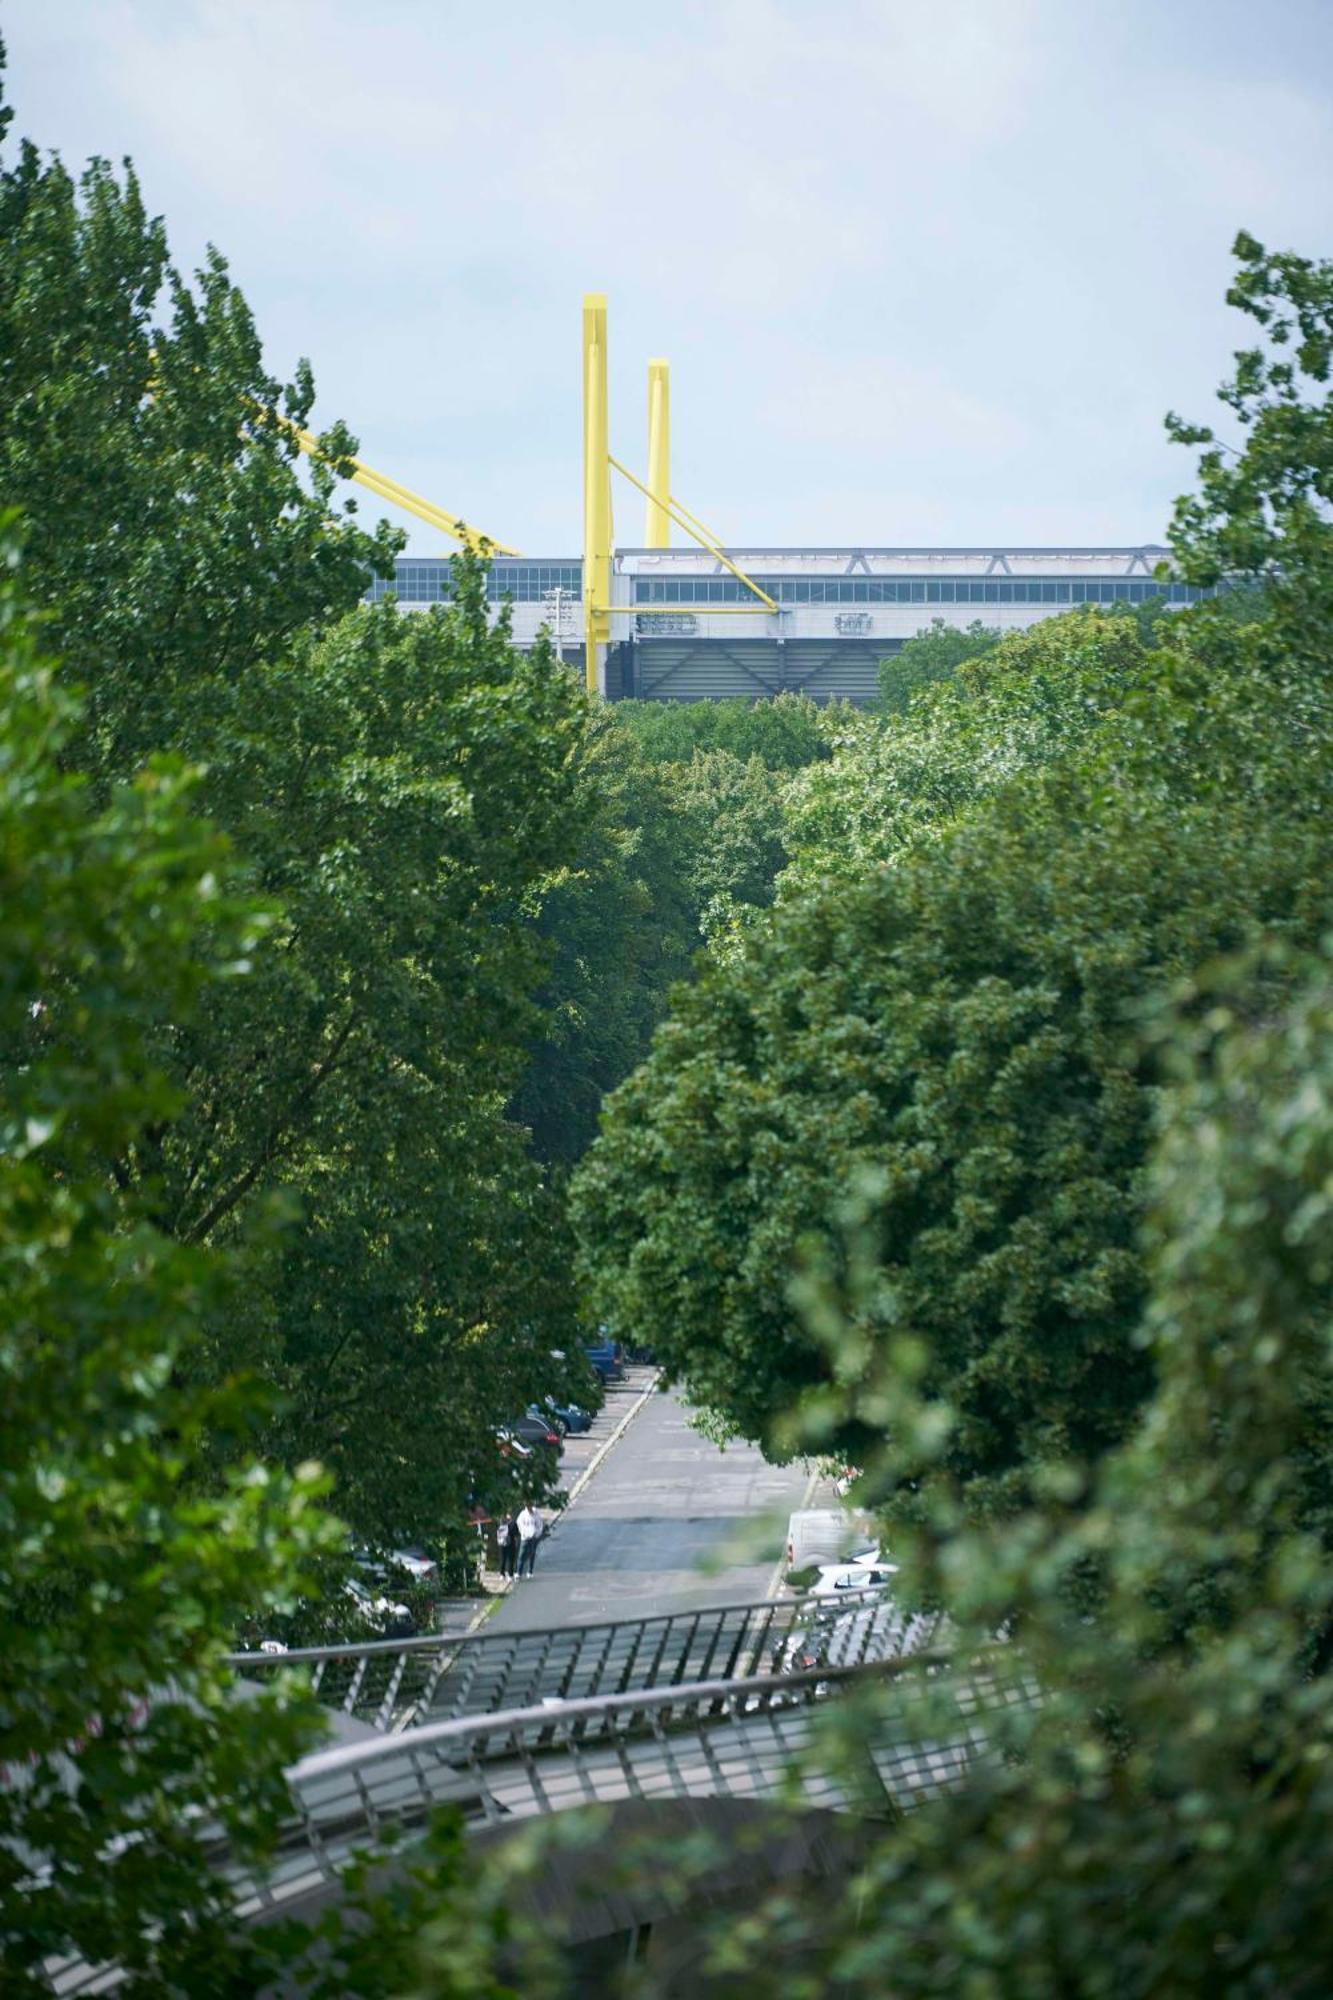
<point>927,271</point>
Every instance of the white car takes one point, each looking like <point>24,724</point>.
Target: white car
<point>419,1566</point>
<point>382,1617</point>
<point>861,1573</point>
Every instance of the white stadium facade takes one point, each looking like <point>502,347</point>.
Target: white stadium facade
<point>685,629</point>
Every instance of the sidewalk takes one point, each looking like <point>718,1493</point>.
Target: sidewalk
<point>457,1616</point>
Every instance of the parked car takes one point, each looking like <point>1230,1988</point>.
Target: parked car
<point>607,1357</point>
<point>535,1430</point>
<point>816,1535</point>
<point>512,1446</point>
<point>572,1415</point>
<point>416,1563</point>
<point>836,1579</point>
<point>382,1617</point>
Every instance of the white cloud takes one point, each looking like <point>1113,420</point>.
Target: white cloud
<point>921,260</point>
<point>879,408</point>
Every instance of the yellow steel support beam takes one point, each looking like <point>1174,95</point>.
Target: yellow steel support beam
<point>379,483</point>
<point>596,495</point>
<point>657,522</point>
<point>696,533</point>
<point>695,525</point>
<point>397,495</point>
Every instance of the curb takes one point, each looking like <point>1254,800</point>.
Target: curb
<point>614,1439</point>
<point>485,1610</point>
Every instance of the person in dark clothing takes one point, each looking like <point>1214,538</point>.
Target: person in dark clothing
<point>506,1536</point>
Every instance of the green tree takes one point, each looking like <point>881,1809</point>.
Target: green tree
<point>1025,702</point>
<point>402,789</point>
<point>958,1024</point>
<point>129,1550</point>
<point>362,1072</point>
<point>934,654</point>
<point>674,853</point>
<point>786,731</point>
<point>1158,1820</point>
<point>621,925</point>
<point>734,815</point>
<point>1262,514</point>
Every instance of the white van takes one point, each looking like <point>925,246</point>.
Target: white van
<point>817,1535</point>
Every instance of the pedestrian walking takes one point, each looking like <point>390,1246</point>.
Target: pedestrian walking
<point>506,1540</point>
<point>530,1531</point>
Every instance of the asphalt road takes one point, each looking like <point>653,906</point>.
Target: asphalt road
<point>668,1522</point>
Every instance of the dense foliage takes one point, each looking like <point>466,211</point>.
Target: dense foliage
<point>985,894</point>
<point>933,655</point>
<point>686,834</point>
<point>990,1148</point>
<point>785,733</point>
<point>170,537</point>
<point>133,1537</point>
<point>1159,1820</point>
<point>1021,704</point>
<point>366,767</point>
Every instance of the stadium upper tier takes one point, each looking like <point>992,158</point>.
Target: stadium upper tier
<point>685,629</point>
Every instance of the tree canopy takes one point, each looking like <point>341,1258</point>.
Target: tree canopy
<point>134,1539</point>
<point>405,792</point>
<point>1023,703</point>
<point>1156,1819</point>
<point>984,898</point>
<point>934,654</point>
<point>785,732</point>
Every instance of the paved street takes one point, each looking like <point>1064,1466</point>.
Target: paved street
<point>667,1523</point>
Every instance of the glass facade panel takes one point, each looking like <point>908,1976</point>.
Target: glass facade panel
<point>891,590</point>
<point>428,581</point>
<point>423,580</point>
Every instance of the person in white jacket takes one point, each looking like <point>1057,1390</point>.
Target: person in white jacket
<point>530,1530</point>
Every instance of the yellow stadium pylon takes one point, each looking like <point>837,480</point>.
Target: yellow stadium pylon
<point>596,496</point>
<point>657,522</point>
<point>662,509</point>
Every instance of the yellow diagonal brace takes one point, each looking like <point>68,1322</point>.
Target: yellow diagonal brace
<point>398,495</point>
<point>696,533</point>
<point>705,535</point>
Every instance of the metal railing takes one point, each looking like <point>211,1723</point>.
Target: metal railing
<point>748,1737</point>
<point>399,1683</point>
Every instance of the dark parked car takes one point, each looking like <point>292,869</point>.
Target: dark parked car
<point>607,1358</point>
<point>534,1430</point>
